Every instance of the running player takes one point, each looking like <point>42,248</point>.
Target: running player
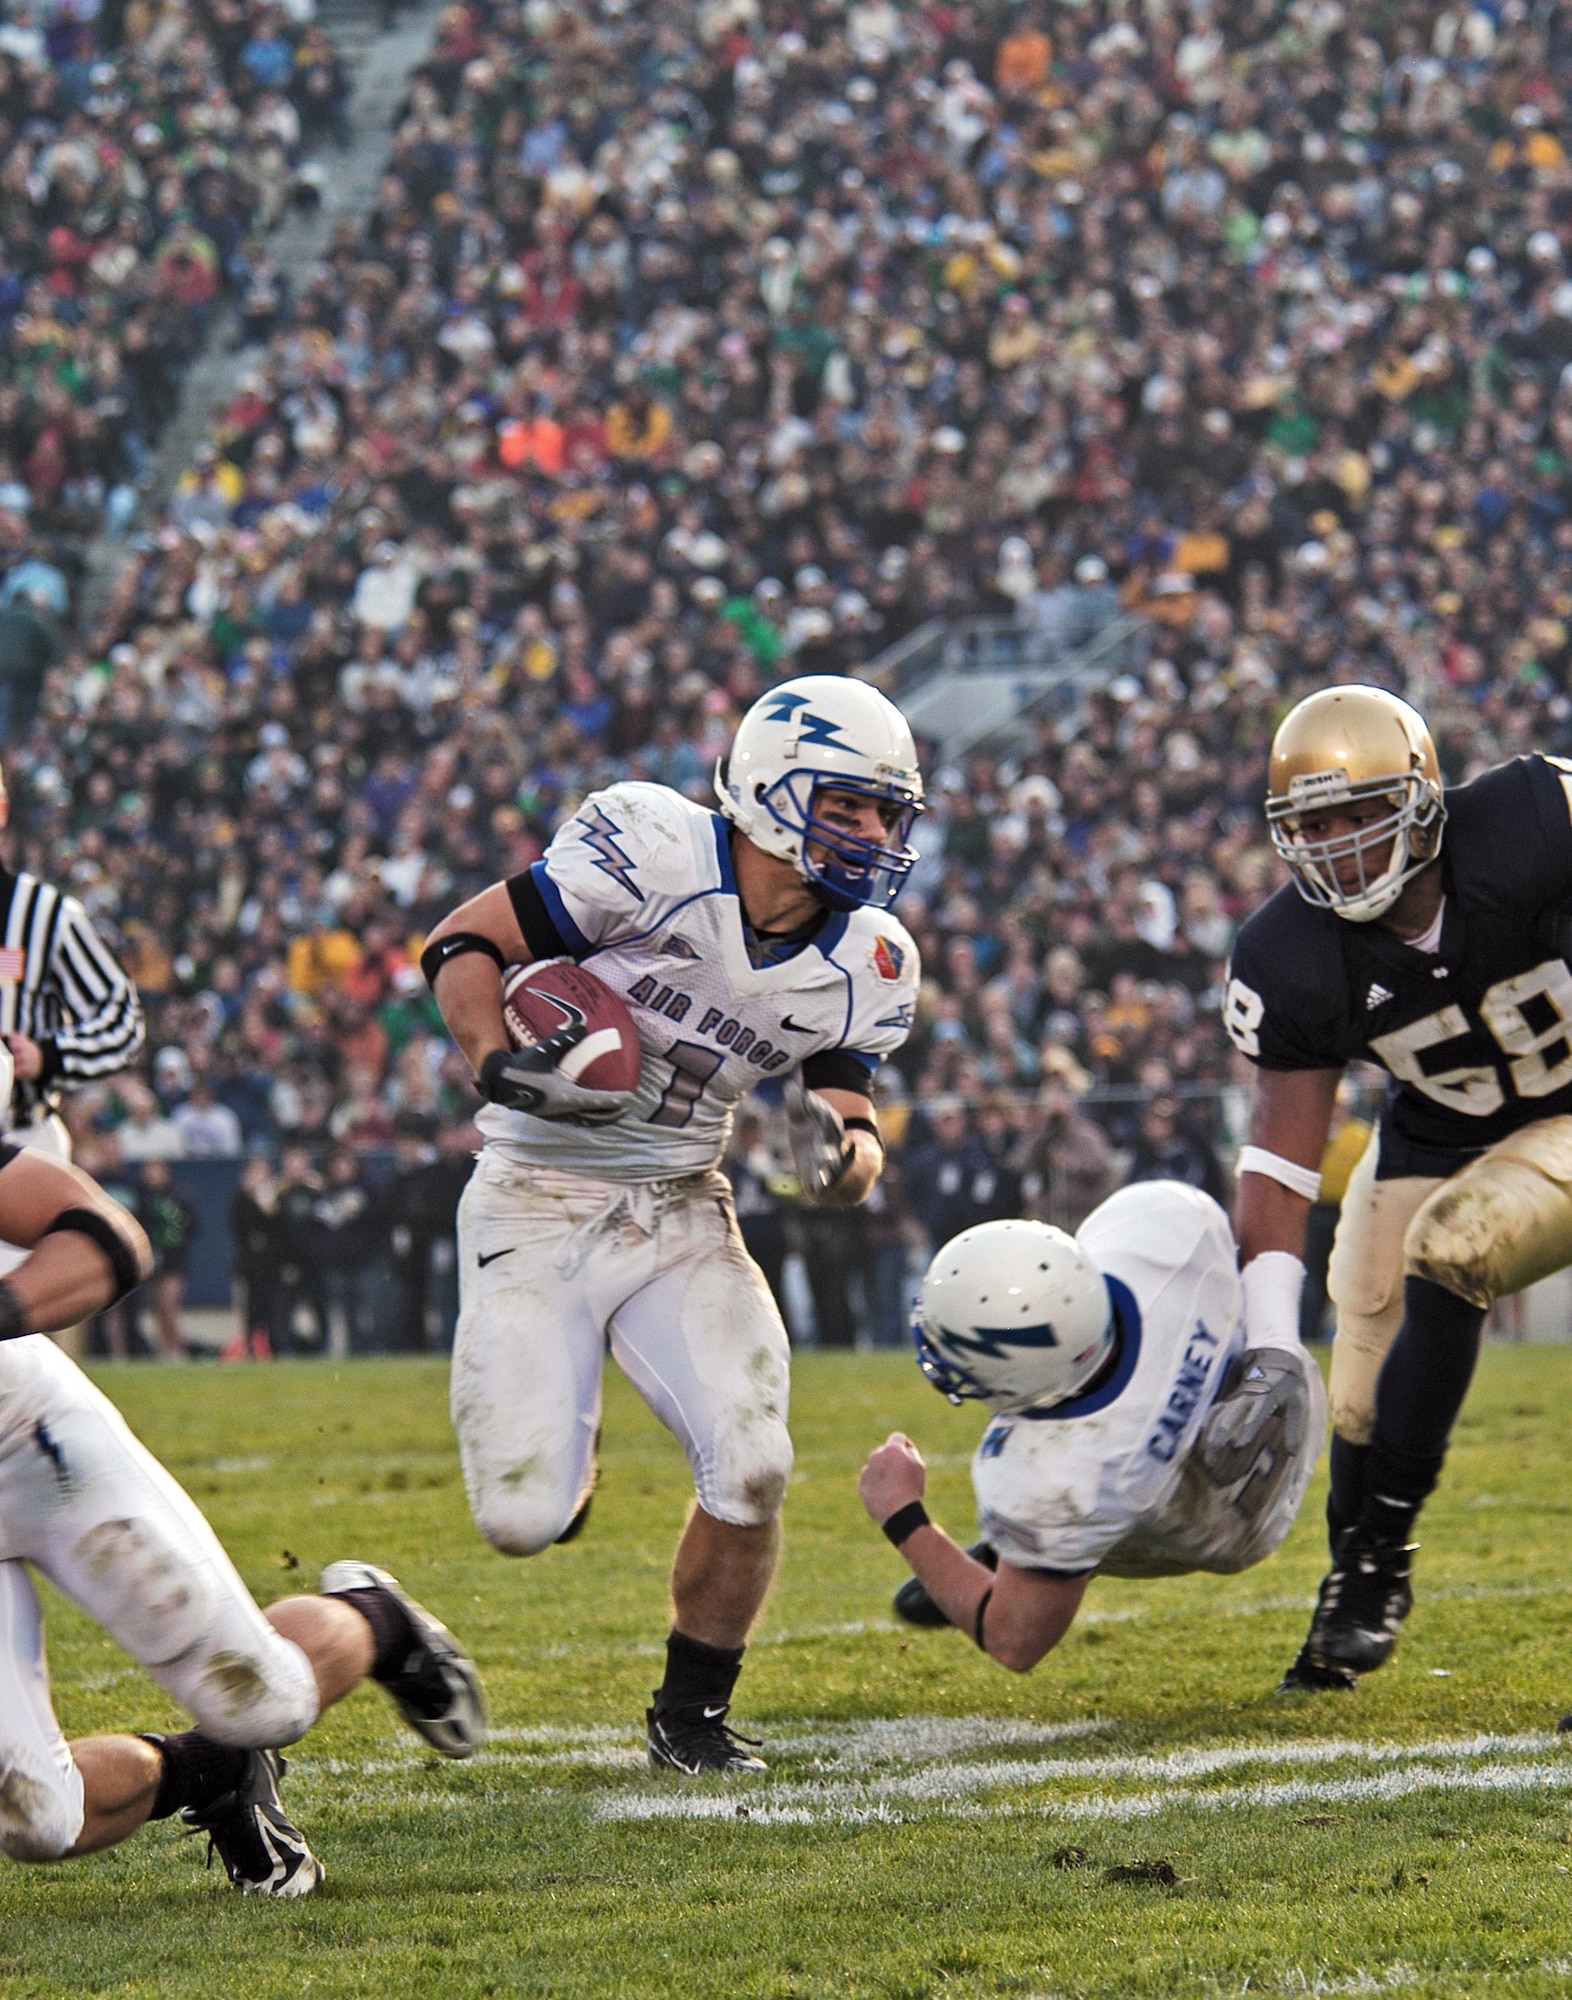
<point>750,944</point>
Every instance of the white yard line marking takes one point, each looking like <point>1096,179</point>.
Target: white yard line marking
<point>948,1787</point>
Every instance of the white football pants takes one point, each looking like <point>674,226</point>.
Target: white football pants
<point>554,1268</point>
<point>91,1508</point>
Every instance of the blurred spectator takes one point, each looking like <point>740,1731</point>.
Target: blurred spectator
<point>952,1181</point>
<point>254,1225</point>
<point>170,1222</point>
<point>302,1276</point>
<point>1166,1151</point>
<point>206,1129</point>
<point>348,1239</point>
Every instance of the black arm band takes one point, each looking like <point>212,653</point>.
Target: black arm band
<point>88,1222</point>
<point>533,918</point>
<point>12,1324</point>
<point>455,945</point>
<point>982,1612</point>
<point>863,1125</point>
<point>834,1069</point>
<point>905,1522</point>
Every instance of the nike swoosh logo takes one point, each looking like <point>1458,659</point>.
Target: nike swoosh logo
<point>711,1713</point>
<point>796,1027</point>
<point>484,1261</point>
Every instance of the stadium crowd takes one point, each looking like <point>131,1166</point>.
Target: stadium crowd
<point>148,146</point>
<point>688,347</point>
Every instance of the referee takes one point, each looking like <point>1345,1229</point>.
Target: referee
<point>68,1012</point>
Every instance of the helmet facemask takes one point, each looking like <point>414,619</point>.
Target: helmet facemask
<point>850,872</point>
<point>1408,836</point>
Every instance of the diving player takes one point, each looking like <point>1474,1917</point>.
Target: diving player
<point>749,944</point>
<point>1445,962</point>
<point>86,1504</point>
<point>1140,1430</point>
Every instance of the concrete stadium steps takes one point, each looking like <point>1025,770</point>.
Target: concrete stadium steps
<point>379,62</point>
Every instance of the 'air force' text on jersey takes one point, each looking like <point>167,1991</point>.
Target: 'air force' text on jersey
<point>1477,1035</point>
<point>639,887</point>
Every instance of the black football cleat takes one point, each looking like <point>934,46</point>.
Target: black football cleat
<point>263,1852</point>
<point>1364,1598</point>
<point>1305,1676</point>
<point>437,1689</point>
<point>696,1741</point>
<point>913,1603</point>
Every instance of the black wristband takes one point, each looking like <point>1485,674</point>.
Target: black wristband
<point>863,1125</point>
<point>982,1612</point>
<point>12,1324</point>
<point>905,1522</point>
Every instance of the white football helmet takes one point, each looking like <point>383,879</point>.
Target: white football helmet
<point>824,731</point>
<point>1013,1313</point>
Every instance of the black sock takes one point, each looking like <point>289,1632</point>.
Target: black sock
<point>392,1636</point>
<point>697,1676</point>
<point>1421,1388</point>
<point>1345,1500</point>
<point>197,1770</point>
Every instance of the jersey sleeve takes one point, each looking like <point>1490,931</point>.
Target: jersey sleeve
<point>615,868</point>
<point>1279,1008</point>
<point>885,972</point>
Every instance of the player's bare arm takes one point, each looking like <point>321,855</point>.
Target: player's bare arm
<point>86,1249</point>
<point>1290,1121</point>
<point>466,979</point>
<point>1016,1615</point>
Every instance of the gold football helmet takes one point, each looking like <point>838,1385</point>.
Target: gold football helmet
<point>1341,748</point>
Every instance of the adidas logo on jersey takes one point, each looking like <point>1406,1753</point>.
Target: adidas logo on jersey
<point>1376,997</point>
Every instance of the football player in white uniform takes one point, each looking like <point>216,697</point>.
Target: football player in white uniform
<point>748,944</point>
<point>86,1504</point>
<point>1136,1434</point>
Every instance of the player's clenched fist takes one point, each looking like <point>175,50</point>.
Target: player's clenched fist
<point>528,1080</point>
<point>893,1477</point>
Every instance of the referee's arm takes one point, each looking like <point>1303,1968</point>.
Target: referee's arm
<point>100,1027</point>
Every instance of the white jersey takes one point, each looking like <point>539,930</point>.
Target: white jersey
<point>1104,1480</point>
<point>639,886</point>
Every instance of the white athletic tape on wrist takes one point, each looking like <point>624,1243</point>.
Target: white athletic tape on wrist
<point>1272,1283</point>
<point>1287,1173</point>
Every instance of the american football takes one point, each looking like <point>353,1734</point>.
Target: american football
<point>542,999</point>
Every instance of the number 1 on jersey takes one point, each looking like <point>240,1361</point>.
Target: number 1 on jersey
<point>692,1066</point>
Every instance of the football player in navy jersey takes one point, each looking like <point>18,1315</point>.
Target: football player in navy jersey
<point>1444,961</point>
<point>749,943</point>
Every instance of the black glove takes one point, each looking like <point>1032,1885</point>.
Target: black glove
<point>528,1080</point>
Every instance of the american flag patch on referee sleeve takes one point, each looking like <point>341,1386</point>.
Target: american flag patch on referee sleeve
<point>13,962</point>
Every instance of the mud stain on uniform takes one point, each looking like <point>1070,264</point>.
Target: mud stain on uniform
<point>27,1812</point>
<point>238,1683</point>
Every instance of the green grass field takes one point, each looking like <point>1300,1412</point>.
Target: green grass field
<point>1140,1816</point>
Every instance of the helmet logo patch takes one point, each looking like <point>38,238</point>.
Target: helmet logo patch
<point>887,959</point>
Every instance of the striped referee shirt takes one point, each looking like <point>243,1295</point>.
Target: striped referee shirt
<point>62,988</point>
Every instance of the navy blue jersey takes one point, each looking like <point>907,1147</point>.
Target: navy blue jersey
<point>1477,1036</point>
